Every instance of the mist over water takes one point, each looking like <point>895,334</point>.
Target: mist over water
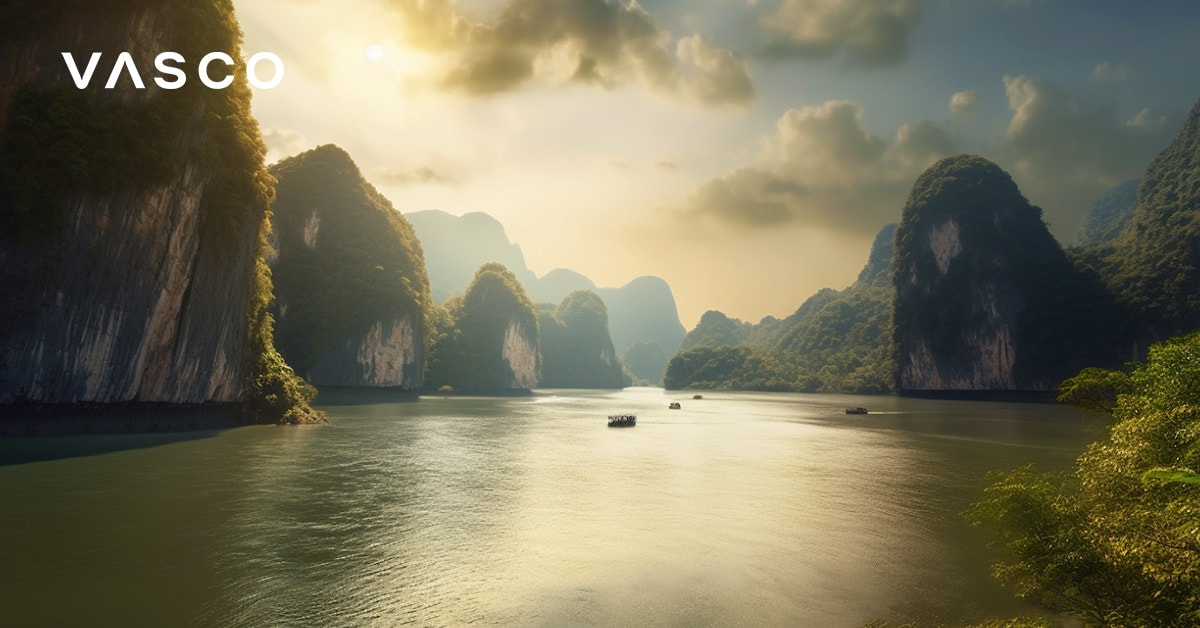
<point>738,509</point>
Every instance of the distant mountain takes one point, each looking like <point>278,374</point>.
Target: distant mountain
<point>352,295</point>
<point>455,246</point>
<point>486,341</point>
<point>1109,214</point>
<point>985,297</point>
<point>642,311</point>
<point>834,342</point>
<point>577,351</point>
<point>555,285</point>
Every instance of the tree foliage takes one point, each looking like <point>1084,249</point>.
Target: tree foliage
<point>1109,214</point>
<point>1116,541</point>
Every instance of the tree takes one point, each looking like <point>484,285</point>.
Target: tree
<point>1116,541</point>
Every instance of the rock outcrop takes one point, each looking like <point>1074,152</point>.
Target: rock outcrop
<point>985,299</point>
<point>487,340</point>
<point>131,220</point>
<point>352,295</point>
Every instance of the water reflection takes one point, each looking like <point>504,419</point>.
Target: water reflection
<point>738,509</point>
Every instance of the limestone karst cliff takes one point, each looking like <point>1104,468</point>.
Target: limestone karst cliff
<point>132,220</point>
<point>985,299</point>
<point>641,311</point>
<point>352,295</point>
<point>577,351</point>
<point>487,340</point>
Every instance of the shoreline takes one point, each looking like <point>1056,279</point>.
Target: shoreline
<point>23,420</point>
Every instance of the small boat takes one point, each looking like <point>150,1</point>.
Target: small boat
<point>858,410</point>
<point>674,406</point>
<point>697,396</point>
<point>622,420</point>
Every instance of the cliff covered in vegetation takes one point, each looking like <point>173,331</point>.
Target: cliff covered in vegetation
<point>577,351</point>
<point>486,341</point>
<point>132,221</point>
<point>1154,265</point>
<point>352,296</point>
<point>985,299</point>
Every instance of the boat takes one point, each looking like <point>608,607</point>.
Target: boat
<point>697,396</point>
<point>622,420</point>
<point>858,410</point>
<point>674,406</point>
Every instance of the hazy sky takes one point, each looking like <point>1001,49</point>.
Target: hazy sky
<point>745,150</point>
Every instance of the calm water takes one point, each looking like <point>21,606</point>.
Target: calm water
<point>740,509</point>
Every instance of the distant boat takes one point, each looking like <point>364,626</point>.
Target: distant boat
<point>674,406</point>
<point>697,396</point>
<point>858,410</point>
<point>622,420</point>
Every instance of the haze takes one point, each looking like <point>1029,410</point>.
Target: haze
<point>746,152</point>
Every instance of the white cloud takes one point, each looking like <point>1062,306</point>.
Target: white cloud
<point>823,169</point>
<point>1064,150</point>
<point>964,105</point>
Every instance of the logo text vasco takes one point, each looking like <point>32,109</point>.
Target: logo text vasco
<point>171,74</point>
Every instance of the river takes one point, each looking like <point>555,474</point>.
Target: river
<point>740,509</point>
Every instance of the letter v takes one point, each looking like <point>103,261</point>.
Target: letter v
<point>81,81</point>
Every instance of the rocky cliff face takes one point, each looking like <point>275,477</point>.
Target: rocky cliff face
<point>985,298</point>
<point>131,218</point>
<point>352,295</point>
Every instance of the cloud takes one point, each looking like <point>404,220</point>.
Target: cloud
<point>283,143</point>
<point>416,176</point>
<point>722,78</point>
<point>872,33</point>
<point>603,43</point>
<point>823,169</point>
<point>1110,72</point>
<point>1065,150</point>
<point>964,105</point>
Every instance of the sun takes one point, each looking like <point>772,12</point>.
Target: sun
<point>374,53</point>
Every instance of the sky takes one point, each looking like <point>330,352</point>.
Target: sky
<point>747,151</point>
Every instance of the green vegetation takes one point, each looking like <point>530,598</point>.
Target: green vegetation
<point>1001,273</point>
<point>61,144</point>
<point>1115,541</point>
<point>835,342</point>
<point>1109,214</point>
<point>486,340</point>
<point>577,351</point>
<point>346,260</point>
<point>1154,265</point>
